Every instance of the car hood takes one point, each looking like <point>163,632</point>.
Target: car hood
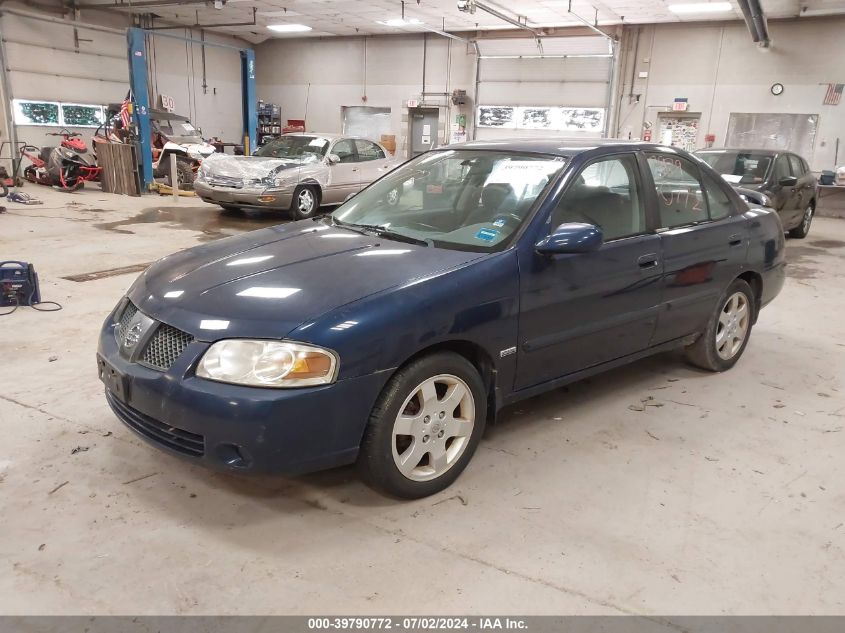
<point>247,167</point>
<point>268,282</point>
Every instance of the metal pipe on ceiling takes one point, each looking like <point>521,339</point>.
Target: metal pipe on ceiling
<point>197,25</point>
<point>755,20</point>
<point>589,24</point>
<point>131,6</point>
<point>469,6</point>
<point>73,23</point>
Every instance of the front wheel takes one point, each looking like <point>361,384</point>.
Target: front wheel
<point>801,231</point>
<point>424,427</point>
<point>723,342</point>
<point>304,203</point>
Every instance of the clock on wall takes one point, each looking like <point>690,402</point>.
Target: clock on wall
<point>777,89</point>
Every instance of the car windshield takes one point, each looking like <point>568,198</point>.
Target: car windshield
<point>305,148</point>
<point>181,132</point>
<point>459,199</point>
<point>737,167</point>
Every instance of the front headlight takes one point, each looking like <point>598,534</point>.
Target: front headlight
<point>268,364</point>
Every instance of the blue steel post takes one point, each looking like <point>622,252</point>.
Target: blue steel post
<point>250,100</point>
<point>137,51</point>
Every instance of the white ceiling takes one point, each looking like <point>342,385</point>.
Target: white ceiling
<point>360,17</point>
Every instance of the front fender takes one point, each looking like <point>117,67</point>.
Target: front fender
<point>476,303</point>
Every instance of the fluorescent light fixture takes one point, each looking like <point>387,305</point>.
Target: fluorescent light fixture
<point>289,28</point>
<point>400,22</point>
<point>173,294</point>
<point>701,7</point>
<point>384,251</point>
<point>266,292</point>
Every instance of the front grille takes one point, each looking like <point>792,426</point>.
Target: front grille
<point>166,345</point>
<point>125,319</point>
<point>174,438</point>
<point>226,181</point>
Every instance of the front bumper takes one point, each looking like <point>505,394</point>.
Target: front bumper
<point>243,197</point>
<point>236,428</point>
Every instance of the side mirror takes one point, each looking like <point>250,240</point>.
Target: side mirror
<point>572,237</point>
<point>333,159</point>
<point>788,181</point>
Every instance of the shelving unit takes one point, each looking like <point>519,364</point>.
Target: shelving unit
<point>269,122</point>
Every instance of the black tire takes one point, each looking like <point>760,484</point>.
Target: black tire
<point>185,174</point>
<point>5,190</point>
<point>298,209</point>
<point>376,461</point>
<point>704,353</point>
<point>802,230</point>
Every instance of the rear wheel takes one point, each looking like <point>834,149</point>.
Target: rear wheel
<point>728,330</point>
<point>424,427</point>
<point>801,231</point>
<point>305,202</point>
<point>185,175</point>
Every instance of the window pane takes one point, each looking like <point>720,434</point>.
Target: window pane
<point>368,150</point>
<point>345,149</point>
<point>718,202</point>
<point>797,167</point>
<point>679,196</point>
<point>77,115</point>
<point>36,112</point>
<point>782,168</point>
<point>604,194</point>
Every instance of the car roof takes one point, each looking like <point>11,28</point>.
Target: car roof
<point>328,137</point>
<point>555,146</point>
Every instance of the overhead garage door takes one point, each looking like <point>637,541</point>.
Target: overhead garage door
<point>528,91</point>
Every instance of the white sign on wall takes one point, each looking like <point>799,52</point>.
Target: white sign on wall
<point>168,103</point>
<point>551,118</point>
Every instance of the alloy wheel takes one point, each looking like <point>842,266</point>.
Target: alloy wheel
<point>305,202</point>
<point>808,218</point>
<point>734,320</point>
<point>433,427</point>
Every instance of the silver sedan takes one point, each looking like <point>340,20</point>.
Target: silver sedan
<point>296,173</point>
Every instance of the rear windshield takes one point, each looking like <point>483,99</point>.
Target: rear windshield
<point>739,168</point>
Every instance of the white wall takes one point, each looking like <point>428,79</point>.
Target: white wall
<point>721,71</point>
<point>45,66</point>
<point>323,75</point>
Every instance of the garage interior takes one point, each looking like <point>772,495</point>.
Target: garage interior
<point>653,489</point>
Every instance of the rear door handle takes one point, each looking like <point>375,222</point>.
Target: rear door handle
<point>735,239</point>
<point>647,261</point>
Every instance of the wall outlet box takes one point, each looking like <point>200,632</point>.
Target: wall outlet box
<point>643,74</point>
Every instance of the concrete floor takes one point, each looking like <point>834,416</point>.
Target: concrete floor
<point>728,498</point>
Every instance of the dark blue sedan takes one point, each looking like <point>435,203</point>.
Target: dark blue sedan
<point>391,332</point>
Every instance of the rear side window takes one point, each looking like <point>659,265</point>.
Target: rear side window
<point>797,166</point>
<point>719,204</point>
<point>680,198</point>
<point>368,150</point>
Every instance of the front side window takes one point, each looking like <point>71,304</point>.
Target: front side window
<point>680,200</point>
<point>741,168</point>
<point>607,195</point>
<point>782,169</point>
<point>459,199</point>
<point>305,148</point>
<point>345,151</point>
<point>368,150</point>
<point>797,166</point>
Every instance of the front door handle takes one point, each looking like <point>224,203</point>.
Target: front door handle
<point>647,261</point>
<point>735,239</point>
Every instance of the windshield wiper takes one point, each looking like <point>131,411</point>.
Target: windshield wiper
<point>383,231</point>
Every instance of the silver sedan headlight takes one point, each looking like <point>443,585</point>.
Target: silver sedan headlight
<point>259,363</point>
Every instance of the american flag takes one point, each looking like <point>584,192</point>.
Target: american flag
<point>833,94</point>
<point>125,110</point>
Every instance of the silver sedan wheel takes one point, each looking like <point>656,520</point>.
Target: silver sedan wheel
<point>433,427</point>
<point>305,202</point>
<point>733,325</point>
<point>808,218</point>
<point>393,197</point>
